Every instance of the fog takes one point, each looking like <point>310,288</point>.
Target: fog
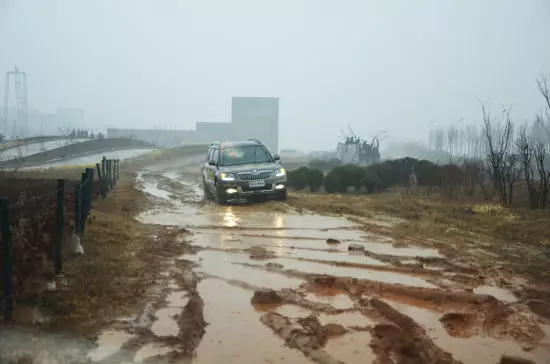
<point>398,66</point>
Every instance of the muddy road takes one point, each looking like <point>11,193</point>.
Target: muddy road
<point>264,283</point>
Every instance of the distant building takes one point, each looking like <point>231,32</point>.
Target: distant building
<point>258,118</point>
<point>251,118</point>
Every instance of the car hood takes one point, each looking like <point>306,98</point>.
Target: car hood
<point>248,167</point>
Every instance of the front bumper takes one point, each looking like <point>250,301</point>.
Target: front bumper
<point>242,188</point>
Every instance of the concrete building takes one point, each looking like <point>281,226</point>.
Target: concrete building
<point>251,118</point>
<point>258,118</point>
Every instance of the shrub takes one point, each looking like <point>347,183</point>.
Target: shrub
<point>427,173</point>
<point>384,172</point>
<point>401,169</point>
<point>314,179</point>
<point>332,183</point>
<point>350,175</point>
<point>297,178</point>
<point>372,182</point>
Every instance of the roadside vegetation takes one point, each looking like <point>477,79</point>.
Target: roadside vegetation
<point>501,193</point>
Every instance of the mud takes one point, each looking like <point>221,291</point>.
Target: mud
<point>266,283</point>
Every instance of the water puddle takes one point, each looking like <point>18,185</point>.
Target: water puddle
<point>331,256</point>
<point>177,299</point>
<point>221,264</point>
<point>471,350</point>
<point>166,324</point>
<point>330,296</point>
<point>352,348</point>
<point>292,311</point>
<point>151,350</point>
<point>499,293</point>
<point>346,319</point>
<point>109,343</point>
<point>360,273</point>
<point>389,249</point>
<point>232,323</point>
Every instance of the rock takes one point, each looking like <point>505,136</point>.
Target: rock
<point>334,330</point>
<point>356,247</point>
<point>333,241</point>
<point>266,297</point>
<point>274,265</point>
<point>505,359</point>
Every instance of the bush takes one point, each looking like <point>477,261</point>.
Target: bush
<point>314,179</point>
<point>332,183</point>
<point>297,179</point>
<point>372,182</point>
<point>350,175</point>
<point>401,169</point>
<point>427,173</point>
<point>383,171</point>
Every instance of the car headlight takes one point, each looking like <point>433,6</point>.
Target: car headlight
<point>227,177</point>
<point>280,172</point>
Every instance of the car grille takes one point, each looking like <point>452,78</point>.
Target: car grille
<point>252,189</point>
<point>248,176</point>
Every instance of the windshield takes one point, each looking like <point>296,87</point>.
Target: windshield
<point>244,155</point>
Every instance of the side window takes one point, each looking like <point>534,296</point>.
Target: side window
<point>216,155</point>
<point>209,154</point>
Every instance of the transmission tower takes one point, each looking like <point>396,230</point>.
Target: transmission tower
<point>22,105</point>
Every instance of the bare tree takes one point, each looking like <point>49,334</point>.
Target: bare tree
<point>498,136</point>
<point>526,152</point>
<point>511,173</point>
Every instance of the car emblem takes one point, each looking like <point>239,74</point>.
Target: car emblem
<point>255,171</point>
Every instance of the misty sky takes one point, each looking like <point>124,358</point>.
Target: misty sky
<point>394,65</point>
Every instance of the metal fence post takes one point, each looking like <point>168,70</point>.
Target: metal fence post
<point>110,174</point>
<point>59,238</point>
<point>77,209</point>
<point>7,263</point>
<point>103,165</point>
<point>118,169</point>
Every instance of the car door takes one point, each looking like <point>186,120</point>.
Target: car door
<point>205,167</point>
<point>214,168</point>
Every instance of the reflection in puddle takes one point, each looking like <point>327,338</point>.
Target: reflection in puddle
<point>232,323</point>
<point>499,293</point>
<point>109,343</point>
<point>351,348</point>
<point>177,299</point>
<point>330,256</point>
<point>471,350</point>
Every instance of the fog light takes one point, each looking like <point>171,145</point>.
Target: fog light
<point>231,191</point>
<point>279,187</point>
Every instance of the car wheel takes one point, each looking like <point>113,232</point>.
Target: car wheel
<point>207,194</point>
<point>281,196</point>
<point>221,198</point>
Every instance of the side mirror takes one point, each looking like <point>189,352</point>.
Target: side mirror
<point>211,163</point>
<point>276,157</point>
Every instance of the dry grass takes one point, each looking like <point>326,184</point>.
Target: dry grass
<point>118,267</point>
<point>520,237</point>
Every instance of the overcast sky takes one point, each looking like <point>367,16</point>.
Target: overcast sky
<point>394,65</point>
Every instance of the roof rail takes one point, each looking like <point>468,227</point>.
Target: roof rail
<point>214,143</point>
<point>255,140</point>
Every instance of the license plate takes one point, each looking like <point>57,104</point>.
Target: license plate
<point>253,184</point>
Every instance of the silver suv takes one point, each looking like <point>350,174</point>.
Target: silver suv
<point>242,169</point>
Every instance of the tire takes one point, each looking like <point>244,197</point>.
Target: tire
<point>221,199</point>
<point>281,196</point>
<point>207,194</point>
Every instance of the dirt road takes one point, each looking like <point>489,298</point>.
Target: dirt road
<point>265,283</point>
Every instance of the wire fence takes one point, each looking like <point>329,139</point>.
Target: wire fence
<point>34,228</point>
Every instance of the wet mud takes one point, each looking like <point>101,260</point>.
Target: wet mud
<point>264,283</point>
